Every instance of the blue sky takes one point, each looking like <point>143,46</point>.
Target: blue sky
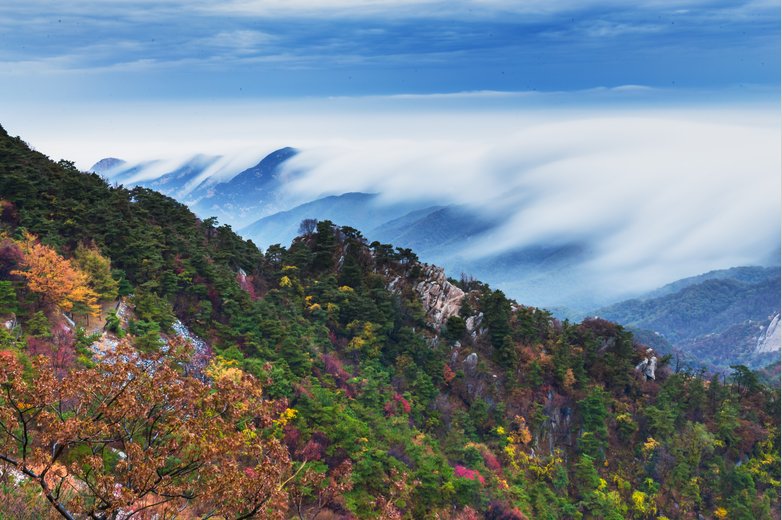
<point>115,49</point>
<point>648,129</point>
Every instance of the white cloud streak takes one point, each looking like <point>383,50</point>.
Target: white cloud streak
<point>655,194</point>
<point>465,9</point>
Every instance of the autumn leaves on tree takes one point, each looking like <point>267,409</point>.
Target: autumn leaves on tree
<point>133,434</point>
<point>60,283</point>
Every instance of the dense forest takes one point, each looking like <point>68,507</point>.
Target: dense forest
<point>329,381</point>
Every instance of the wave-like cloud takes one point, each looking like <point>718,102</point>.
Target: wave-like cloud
<point>651,190</point>
<point>654,196</point>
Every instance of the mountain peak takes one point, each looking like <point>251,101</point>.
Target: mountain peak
<point>106,164</point>
<point>266,169</point>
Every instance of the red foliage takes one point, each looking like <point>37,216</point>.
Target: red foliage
<point>10,257</point>
<point>302,390</point>
<point>8,212</point>
<point>246,284</point>
<point>598,327</point>
<point>500,511</point>
<point>468,513</point>
<point>750,433</point>
<point>59,350</point>
<point>315,449</point>
<point>448,374</point>
<point>291,437</point>
<point>335,368</point>
<point>393,406</point>
<point>179,267</point>
<point>469,474</point>
<point>491,462</point>
<point>404,402</point>
<point>213,295</point>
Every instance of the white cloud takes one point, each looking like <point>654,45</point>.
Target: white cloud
<point>240,41</point>
<point>655,196</point>
<point>655,193</point>
<point>468,9</point>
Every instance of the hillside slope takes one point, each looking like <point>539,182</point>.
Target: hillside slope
<point>719,319</point>
<point>397,392</point>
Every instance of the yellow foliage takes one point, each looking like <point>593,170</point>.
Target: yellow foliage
<point>285,282</point>
<point>289,268</point>
<point>643,503</point>
<point>500,431</point>
<point>346,289</point>
<point>649,446</point>
<point>286,417</point>
<point>220,368</point>
<point>249,435</point>
<point>721,513</point>
<point>365,339</point>
<point>314,307</point>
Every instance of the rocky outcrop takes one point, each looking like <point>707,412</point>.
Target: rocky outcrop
<point>470,362</point>
<point>440,298</point>
<point>770,340</point>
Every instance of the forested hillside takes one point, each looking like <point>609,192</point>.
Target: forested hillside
<point>715,320</point>
<point>334,378</point>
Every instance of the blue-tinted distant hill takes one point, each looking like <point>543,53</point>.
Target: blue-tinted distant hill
<point>247,195</point>
<point>180,181</point>
<point>434,231</point>
<point>717,319</point>
<point>360,210</point>
<point>253,193</point>
<point>747,274</point>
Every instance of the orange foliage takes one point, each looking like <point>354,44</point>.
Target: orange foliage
<point>133,434</point>
<point>569,380</point>
<point>56,279</point>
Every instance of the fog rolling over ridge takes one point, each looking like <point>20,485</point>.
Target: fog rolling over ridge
<point>571,212</point>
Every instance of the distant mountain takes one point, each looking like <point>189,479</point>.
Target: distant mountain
<point>247,195</point>
<point>749,274</point>
<point>716,319</point>
<point>435,231</point>
<point>253,193</point>
<point>255,200</point>
<point>182,182</point>
<point>360,210</point>
<point>106,165</point>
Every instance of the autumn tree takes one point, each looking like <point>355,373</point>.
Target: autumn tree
<point>315,489</point>
<point>98,270</point>
<point>133,436</point>
<point>59,282</point>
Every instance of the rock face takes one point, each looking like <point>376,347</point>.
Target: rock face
<point>470,362</point>
<point>771,339</point>
<point>440,298</point>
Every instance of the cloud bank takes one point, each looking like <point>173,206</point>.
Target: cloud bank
<point>653,190</point>
<point>655,197</point>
